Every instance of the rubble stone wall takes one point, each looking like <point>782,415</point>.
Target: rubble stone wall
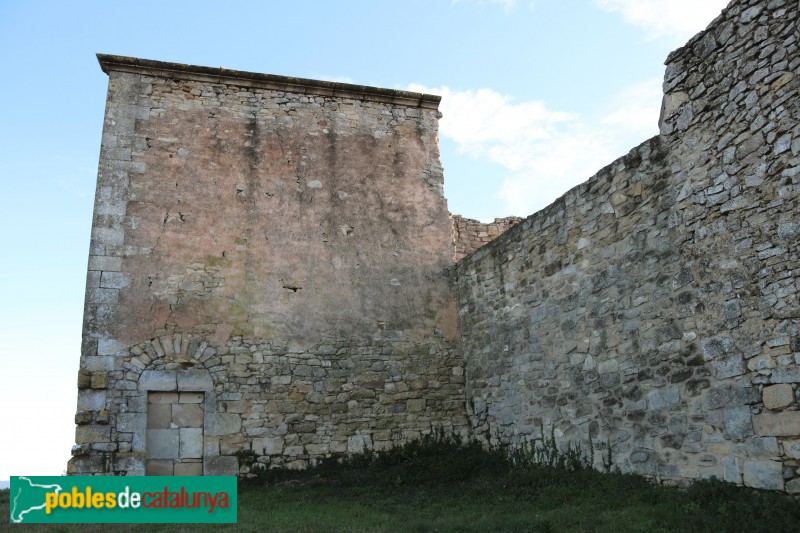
<point>281,246</point>
<point>470,234</point>
<point>655,308</point>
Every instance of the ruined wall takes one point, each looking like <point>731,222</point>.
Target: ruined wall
<point>274,251</point>
<point>655,307</point>
<point>470,234</point>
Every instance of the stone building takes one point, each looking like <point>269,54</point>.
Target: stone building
<point>272,273</point>
<point>267,273</point>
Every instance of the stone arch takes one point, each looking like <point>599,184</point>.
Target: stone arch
<point>175,363</point>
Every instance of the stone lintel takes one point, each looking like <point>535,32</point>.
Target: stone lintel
<point>163,69</point>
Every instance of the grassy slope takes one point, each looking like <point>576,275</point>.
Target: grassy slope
<point>444,486</point>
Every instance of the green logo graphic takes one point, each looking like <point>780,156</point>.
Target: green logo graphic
<point>98,499</point>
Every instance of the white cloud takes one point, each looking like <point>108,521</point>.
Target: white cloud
<point>484,121</point>
<point>636,109</point>
<point>674,19</point>
<point>545,152</point>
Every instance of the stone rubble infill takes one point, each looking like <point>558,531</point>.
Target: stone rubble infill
<point>469,234</point>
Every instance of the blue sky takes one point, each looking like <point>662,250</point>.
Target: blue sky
<point>538,95</point>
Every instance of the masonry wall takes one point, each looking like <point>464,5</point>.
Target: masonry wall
<point>470,234</point>
<point>654,308</point>
<point>275,247</point>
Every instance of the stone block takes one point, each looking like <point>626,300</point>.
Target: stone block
<point>716,398</point>
<point>715,347</point>
<point>727,367</point>
<point>793,486</point>
<point>731,471</point>
<point>268,446</point>
<point>763,446</point>
<point>163,443</point>
<point>359,443</point>
<point>162,397</point>
<point>102,297</point>
<point>158,380</point>
<point>91,400</point>
<point>223,424</point>
<point>763,475</point>
<point>238,406</point>
<point>210,446</point>
<point>786,375</point>
<point>338,446</point>
<point>607,366</point>
<point>132,463</point>
<point>737,423</point>
<point>223,465</point>
<point>663,399</point>
<point>139,441</point>
<point>189,415</point>
<point>94,363</point>
<point>84,379</point>
<point>778,396</point>
<point>414,406</point>
<point>105,263</point>
<point>189,469</point>
<point>191,397</point>
<point>785,424</point>
<point>194,380</point>
<point>109,236</point>
<point>110,346</point>
<point>92,433</point>
<point>317,449</point>
<point>99,380</point>
<point>191,443</point>
<point>166,344</point>
<point>159,467</point>
<point>114,280</point>
<point>159,416</point>
<point>231,445</point>
<point>791,448</point>
<point>293,451</point>
<point>83,417</point>
<point>131,422</point>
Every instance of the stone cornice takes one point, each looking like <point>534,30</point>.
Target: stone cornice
<point>274,82</point>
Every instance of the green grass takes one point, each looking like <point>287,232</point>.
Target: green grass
<point>442,485</point>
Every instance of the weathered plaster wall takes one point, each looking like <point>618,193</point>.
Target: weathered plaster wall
<point>284,239</point>
<point>655,307</point>
<point>470,234</point>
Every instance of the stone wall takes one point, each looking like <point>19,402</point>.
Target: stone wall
<point>470,234</point>
<point>655,307</point>
<point>277,247</point>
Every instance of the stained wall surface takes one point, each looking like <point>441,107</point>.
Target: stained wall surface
<point>655,308</point>
<point>279,245</point>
